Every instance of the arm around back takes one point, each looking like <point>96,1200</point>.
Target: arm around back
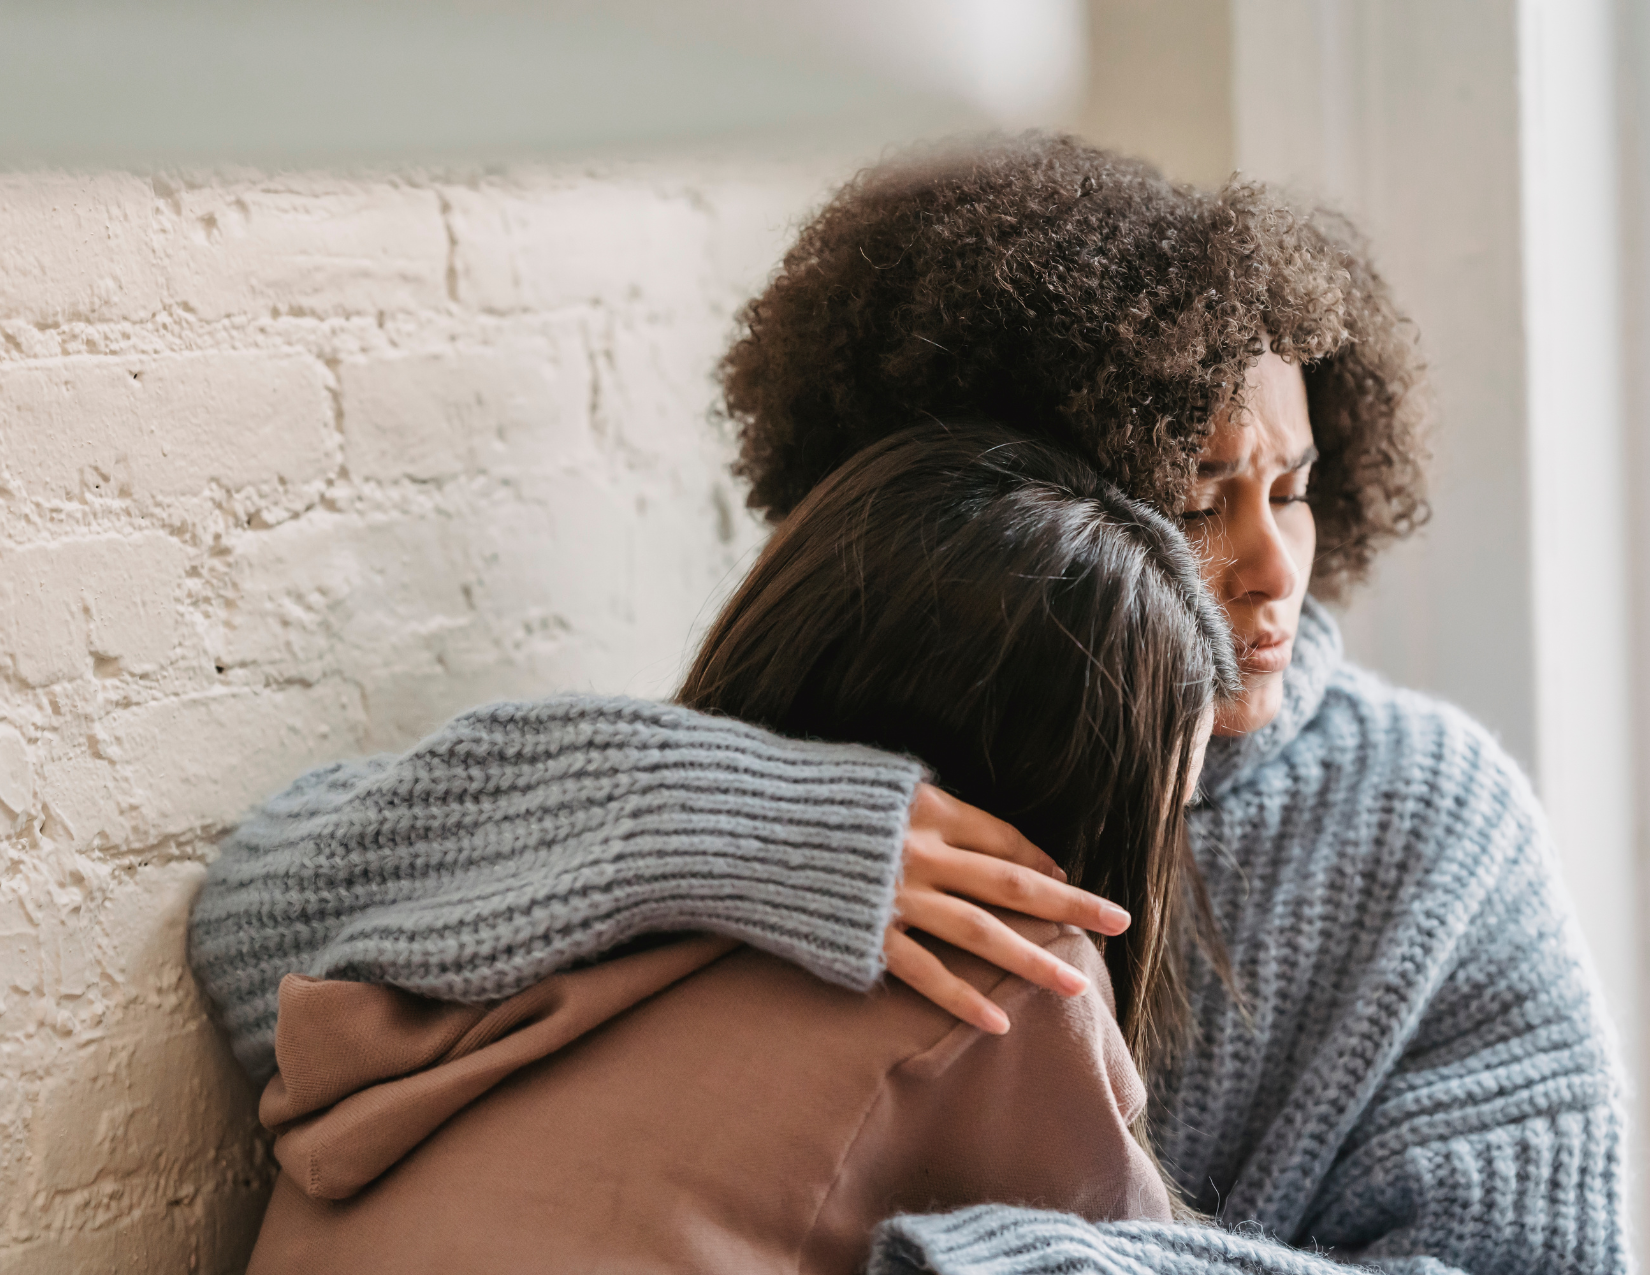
<point>523,837</point>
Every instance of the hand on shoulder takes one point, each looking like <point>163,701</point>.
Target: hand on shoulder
<point>957,857</point>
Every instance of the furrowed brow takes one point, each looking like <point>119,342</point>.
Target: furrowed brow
<point>1226,468</point>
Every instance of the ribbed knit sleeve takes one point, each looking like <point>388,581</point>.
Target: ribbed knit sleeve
<point>997,1240</point>
<point>524,837</point>
<point>1421,1079</point>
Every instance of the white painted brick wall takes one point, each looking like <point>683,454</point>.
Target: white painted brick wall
<point>294,468</point>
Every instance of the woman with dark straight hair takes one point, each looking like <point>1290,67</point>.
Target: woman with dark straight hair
<point>1044,644</point>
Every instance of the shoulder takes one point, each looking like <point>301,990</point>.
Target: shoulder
<point>1391,791</point>
<point>1364,708</point>
<point>1414,754</point>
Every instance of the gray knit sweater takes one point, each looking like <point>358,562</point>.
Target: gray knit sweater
<point>1422,1081</point>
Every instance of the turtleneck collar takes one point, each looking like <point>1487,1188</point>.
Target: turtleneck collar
<point>1317,655</point>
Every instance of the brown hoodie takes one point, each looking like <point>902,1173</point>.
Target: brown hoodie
<point>695,1107</point>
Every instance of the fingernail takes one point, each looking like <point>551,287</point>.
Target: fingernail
<point>1059,874</point>
<point>1111,914</point>
<point>1069,982</point>
<point>996,1022</point>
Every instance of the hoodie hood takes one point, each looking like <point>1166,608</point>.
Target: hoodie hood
<point>1317,655</point>
<point>367,1072</point>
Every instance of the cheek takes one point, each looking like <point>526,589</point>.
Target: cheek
<point>1300,534</point>
<point>1208,564</point>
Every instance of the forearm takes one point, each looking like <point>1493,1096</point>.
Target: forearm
<point>524,837</point>
<point>1541,1195</point>
<point>998,1240</point>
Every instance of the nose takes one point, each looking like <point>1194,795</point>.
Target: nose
<point>1261,568</point>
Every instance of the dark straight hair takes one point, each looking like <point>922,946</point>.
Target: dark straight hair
<point>990,605</point>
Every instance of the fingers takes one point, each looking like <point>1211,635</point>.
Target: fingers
<point>970,828</point>
<point>975,930</point>
<point>1009,885</point>
<point>924,973</point>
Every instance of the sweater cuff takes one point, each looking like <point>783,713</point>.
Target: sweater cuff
<point>995,1239</point>
<point>989,1238</point>
<point>796,846</point>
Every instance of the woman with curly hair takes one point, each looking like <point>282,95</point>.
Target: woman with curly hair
<point>1402,1059</point>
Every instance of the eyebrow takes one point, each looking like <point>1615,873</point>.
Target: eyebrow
<point>1226,468</point>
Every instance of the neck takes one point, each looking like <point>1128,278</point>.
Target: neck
<point>1317,655</point>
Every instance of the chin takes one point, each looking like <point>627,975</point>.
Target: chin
<point>1261,699</point>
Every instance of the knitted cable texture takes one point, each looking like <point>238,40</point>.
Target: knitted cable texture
<point>1425,1081</point>
<point>522,838</point>
<point>1420,1077</point>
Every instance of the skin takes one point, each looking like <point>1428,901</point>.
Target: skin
<point>1246,514</point>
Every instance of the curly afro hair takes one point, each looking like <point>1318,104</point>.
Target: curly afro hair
<point>1081,297</point>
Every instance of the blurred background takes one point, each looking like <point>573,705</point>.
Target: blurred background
<point>355,367</point>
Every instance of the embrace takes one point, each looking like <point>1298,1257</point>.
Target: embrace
<point>1021,881</point>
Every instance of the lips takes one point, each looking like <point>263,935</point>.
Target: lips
<point>1266,652</point>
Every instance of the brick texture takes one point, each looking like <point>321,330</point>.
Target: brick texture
<point>290,469</point>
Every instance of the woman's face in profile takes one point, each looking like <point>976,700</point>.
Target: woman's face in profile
<point>1247,515</point>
